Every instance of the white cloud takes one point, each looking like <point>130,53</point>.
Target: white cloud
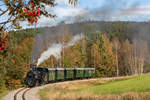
<point>142,6</point>
<point>65,12</point>
<point>61,1</point>
<point>46,21</point>
<point>136,10</point>
<point>139,12</point>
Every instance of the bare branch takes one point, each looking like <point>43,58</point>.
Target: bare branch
<point>3,12</point>
<point>6,22</point>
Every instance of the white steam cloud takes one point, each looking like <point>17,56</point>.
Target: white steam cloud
<point>55,49</point>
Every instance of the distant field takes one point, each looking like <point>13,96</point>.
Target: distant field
<point>135,88</point>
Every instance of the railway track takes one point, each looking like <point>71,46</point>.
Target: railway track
<point>20,94</point>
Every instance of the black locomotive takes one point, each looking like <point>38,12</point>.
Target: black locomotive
<point>35,76</point>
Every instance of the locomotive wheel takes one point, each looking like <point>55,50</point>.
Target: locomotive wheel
<point>31,82</point>
<point>42,81</point>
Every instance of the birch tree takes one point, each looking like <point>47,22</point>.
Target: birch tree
<point>126,58</point>
<point>116,45</point>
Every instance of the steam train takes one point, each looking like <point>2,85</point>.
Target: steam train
<point>39,76</point>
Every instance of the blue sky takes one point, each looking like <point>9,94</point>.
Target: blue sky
<point>108,10</point>
<point>98,3</point>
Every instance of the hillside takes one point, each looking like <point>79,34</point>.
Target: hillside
<point>122,30</point>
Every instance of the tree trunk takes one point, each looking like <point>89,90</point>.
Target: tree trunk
<point>117,59</point>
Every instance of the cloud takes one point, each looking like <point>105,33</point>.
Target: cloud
<point>102,13</point>
<point>69,11</point>
<point>142,6</point>
<point>136,10</point>
<point>66,11</point>
<point>61,1</point>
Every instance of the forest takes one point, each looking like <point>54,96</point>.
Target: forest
<point>113,48</point>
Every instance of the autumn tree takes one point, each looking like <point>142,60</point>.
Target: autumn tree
<point>73,54</point>
<point>108,57</point>
<point>140,54</point>
<point>95,58</point>
<point>100,55</point>
<point>132,57</point>
<point>116,47</point>
<point>126,58</point>
<point>64,40</point>
<point>83,48</point>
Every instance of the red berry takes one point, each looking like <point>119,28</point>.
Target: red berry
<point>36,21</point>
<point>34,12</point>
<point>5,41</point>
<point>32,4</point>
<point>31,21</point>
<point>2,45</point>
<point>28,13</point>
<point>38,14</point>
<point>25,9</point>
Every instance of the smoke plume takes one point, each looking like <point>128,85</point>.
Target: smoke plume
<point>55,49</point>
<point>45,39</point>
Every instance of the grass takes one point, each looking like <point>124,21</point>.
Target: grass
<point>135,88</point>
<point>137,84</point>
<point>3,93</point>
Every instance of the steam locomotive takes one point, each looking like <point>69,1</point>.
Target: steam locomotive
<point>39,76</point>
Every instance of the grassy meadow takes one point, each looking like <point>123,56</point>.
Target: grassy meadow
<point>135,88</point>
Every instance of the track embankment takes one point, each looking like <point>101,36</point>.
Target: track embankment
<point>31,93</point>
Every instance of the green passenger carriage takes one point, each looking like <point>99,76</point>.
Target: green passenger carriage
<point>57,74</point>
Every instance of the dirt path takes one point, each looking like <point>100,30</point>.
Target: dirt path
<point>31,94</point>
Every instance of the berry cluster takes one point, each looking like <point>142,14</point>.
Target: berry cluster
<point>33,13</point>
<point>3,43</point>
